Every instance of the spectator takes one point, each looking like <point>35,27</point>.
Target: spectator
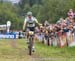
<point>71,13</point>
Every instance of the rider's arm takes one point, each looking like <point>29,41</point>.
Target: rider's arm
<point>24,25</point>
<point>37,21</point>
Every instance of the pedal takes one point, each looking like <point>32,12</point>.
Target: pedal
<point>33,50</point>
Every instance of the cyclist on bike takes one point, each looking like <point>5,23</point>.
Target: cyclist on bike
<point>30,24</point>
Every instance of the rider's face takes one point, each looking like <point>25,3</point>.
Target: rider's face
<point>29,16</point>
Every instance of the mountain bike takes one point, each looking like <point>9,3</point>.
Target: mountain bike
<point>30,44</point>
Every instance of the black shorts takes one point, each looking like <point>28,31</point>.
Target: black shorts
<point>31,28</point>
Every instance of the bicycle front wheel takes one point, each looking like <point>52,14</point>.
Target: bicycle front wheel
<point>30,46</point>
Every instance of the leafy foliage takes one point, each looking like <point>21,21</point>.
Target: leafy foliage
<point>50,10</point>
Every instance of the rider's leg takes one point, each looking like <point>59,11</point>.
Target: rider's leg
<point>27,35</point>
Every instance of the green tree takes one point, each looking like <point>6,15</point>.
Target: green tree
<point>8,14</point>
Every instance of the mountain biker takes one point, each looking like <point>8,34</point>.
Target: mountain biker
<point>30,24</point>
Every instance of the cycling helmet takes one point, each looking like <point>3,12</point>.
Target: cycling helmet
<point>29,13</point>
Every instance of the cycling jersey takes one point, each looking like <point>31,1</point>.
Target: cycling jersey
<point>30,22</point>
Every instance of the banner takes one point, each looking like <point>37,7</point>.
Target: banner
<point>3,27</point>
<point>13,36</point>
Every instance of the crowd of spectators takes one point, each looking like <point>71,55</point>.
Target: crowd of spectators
<point>62,33</point>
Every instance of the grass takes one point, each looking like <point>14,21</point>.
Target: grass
<point>16,50</point>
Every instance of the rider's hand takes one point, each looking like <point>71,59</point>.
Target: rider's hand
<point>40,24</point>
<point>23,30</point>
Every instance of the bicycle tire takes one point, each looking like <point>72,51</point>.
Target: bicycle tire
<point>30,46</point>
